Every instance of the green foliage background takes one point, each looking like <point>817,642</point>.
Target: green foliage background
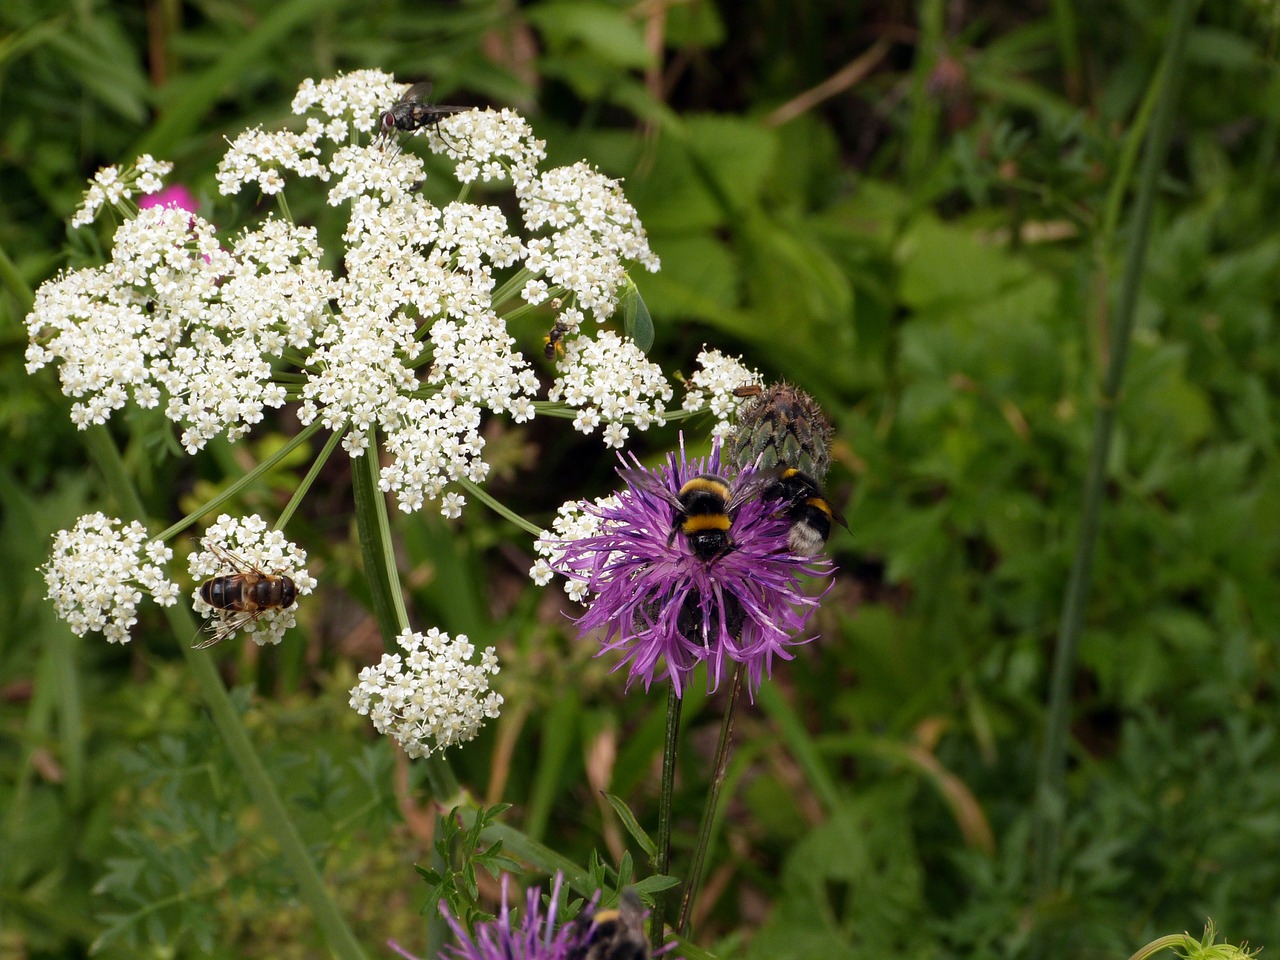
<point>932,251</point>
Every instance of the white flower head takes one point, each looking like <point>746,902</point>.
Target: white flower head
<point>115,186</point>
<point>575,520</point>
<point>100,569</point>
<point>711,388</point>
<point>491,146</point>
<point>432,695</point>
<point>245,547</point>
<point>594,229</point>
<point>609,380</point>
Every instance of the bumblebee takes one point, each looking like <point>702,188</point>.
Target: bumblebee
<point>241,598</point>
<point>614,934</point>
<point>806,507</point>
<point>411,113</point>
<point>704,508</point>
<point>551,344</point>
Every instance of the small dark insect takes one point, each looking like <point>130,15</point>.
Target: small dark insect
<point>705,506</point>
<point>806,507</point>
<point>748,390</point>
<point>551,344</point>
<point>411,112</point>
<point>242,597</point>
<point>614,934</point>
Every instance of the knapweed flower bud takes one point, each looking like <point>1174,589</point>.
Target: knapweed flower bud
<point>782,426</point>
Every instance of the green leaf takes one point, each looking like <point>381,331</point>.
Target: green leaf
<point>633,826</point>
<point>636,321</point>
<point>603,30</point>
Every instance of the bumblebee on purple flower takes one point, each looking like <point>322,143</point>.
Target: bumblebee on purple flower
<point>687,568</point>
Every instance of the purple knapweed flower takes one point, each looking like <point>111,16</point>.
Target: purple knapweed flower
<point>665,608</point>
<point>533,936</point>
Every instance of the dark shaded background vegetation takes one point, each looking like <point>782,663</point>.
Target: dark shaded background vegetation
<point>902,208</point>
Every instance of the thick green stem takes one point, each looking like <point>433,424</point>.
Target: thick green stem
<point>713,801</point>
<point>1050,800</point>
<point>663,864</point>
<point>275,819</point>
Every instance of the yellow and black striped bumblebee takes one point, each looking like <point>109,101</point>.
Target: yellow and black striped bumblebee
<point>704,507</point>
<point>807,508</point>
<point>614,934</point>
<point>242,597</point>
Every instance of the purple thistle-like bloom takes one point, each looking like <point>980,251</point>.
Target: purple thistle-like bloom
<point>533,937</point>
<point>665,609</point>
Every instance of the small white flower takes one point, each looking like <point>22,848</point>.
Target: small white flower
<point>609,380</point>
<point>594,229</point>
<point>233,546</point>
<point>575,520</point>
<point>114,186</point>
<point>97,574</point>
<point>431,696</point>
<point>711,387</point>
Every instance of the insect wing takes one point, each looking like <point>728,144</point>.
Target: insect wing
<point>644,480</point>
<point>418,92</point>
<point>238,563</point>
<point>221,626</point>
<point>749,488</point>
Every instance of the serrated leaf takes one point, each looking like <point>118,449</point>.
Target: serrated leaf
<point>633,826</point>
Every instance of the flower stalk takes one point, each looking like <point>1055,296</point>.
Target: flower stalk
<point>713,801</point>
<point>662,864</point>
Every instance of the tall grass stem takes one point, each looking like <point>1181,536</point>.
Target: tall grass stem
<point>1050,801</point>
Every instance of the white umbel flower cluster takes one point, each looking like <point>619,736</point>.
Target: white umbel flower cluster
<point>113,186</point>
<point>99,571</point>
<point>244,546</point>
<point>575,520</point>
<point>431,696</point>
<point>406,339</point>
<point>609,381</point>
<point>711,388</point>
<point>594,229</point>
<point>174,314</point>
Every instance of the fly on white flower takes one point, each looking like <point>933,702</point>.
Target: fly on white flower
<point>252,580</point>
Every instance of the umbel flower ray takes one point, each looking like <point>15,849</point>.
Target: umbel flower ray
<point>666,610</point>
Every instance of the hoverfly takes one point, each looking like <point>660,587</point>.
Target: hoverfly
<point>412,112</point>
<point>243,597</point>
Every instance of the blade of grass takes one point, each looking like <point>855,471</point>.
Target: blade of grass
<point>1050,802</point>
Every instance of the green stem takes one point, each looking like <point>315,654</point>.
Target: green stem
<point>1050,800</point>
<point>275,819</point>
<point>308,481</point>
<point>234,490</point>
<point>376,548</point>
<point>713,800</point>
<point>663,863</point>
<point>503,511</point>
